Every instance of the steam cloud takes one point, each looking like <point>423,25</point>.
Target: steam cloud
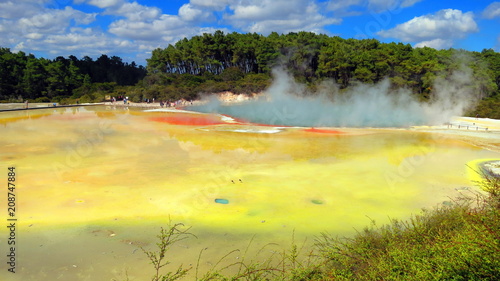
<point>376,105</point>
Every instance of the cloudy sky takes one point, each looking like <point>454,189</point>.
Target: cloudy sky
<point>131,29</point>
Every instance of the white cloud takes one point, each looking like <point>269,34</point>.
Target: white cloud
<point>265,16</point>
<point>381,5</point>
<point>37,27</point>
<point>409,3</point>
<point>492,11</point>
<point>53,21</point>
<point>39,21</point>
<point>17,9</point>
<point>336,5</point>
<point>80,42</point>
<point>268,9</point>
<point>148,28</point>
<point>160,32</point>
<point>77,40</point>
<point>135,11</point>
<point>446,25</point>
<point>435,43</point>
<point>34,36</point>
<point>213,4</point>
<point>375,5</point>
<point>391,5</point>
<point>261,16</point>
<point>104,3</point>
<point>131,10</point>
<point>345,8</point>
<point>191,13</point>
<point>148,31</point>
<point>19,47</point>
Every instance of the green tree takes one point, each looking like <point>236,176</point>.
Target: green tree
<point>34,78</point>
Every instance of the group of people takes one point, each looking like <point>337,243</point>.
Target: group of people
<point>125,99</point>
<point>181,102</point>
<point>172,104</point>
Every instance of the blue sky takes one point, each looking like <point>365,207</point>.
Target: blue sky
<point>132,29</point>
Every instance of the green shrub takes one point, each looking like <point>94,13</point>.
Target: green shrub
<point>87,98</point>
<point>456,242</point>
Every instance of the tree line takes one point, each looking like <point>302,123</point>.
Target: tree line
<point>311,57</point>
<point>242,63</point>
<point>225,62</point>
<point>24,76</point>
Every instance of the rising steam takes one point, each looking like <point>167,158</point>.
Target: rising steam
<point>375,105</point>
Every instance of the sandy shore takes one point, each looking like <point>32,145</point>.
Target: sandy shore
<point>135,104</point>
<point>152,104</point>
<point>482,132</point>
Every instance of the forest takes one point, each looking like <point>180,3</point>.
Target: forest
<point>25,77</point>
<point>242,63</point>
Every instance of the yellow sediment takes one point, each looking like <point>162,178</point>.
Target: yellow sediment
<point>474,171</point>
<point>95,173</point>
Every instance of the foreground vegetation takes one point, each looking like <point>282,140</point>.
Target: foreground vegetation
<point>459,241</point>
<point>242,63</point>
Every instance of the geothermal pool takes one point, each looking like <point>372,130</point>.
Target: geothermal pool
<point>95,184</point>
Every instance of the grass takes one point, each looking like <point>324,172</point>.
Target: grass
<point>460,241</point>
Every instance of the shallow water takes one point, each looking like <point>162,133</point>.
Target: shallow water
<point>94,184</point>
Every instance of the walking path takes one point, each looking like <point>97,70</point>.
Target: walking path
<point>49,106</point>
